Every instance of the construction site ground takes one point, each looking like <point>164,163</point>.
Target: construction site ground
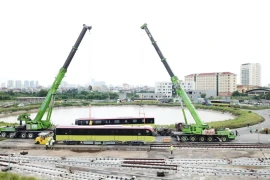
<point>163,153</point>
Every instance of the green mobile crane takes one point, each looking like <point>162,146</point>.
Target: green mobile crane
<point>31,127</point>
<point>190,132</point>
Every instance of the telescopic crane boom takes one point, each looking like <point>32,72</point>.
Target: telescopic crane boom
<point>31,127</point>
<point>37,123</point>
<point>191,132</point>
<point>175,81</point>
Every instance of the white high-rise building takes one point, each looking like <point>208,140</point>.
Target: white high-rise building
<point>10,84</point>
<point>18,84</point>
<point>3,85</point>
<point>250,74</point>
<point>32,84</point>
<point>26,84</point>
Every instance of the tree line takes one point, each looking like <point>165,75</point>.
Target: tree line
<point>64,95</point>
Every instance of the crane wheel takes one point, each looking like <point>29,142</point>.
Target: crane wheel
<point>30,135</point>
<point>3,134</point>
<point>23,135</point>
<point>11,135</point>
<point>184,138</point>
<point>224,139</point>
<point>202,139</point>
<point>210,139</point>
<point>193,138</point>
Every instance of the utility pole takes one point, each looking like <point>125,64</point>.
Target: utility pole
<point>8,166</point>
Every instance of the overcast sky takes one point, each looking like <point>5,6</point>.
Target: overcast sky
<point>194,36</point>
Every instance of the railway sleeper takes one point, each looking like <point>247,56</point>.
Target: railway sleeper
<point>201,138</point>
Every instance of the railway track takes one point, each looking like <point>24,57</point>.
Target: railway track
<point>126,168</point>
<point>213,145</point>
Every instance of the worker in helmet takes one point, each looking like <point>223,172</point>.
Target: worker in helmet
<point>49,142</point>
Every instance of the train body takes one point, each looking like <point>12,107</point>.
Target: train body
<point>130,121</point>
<point>107,134</point>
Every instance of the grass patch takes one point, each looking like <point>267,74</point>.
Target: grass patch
<point>4,176</point>
<point>243,118</point>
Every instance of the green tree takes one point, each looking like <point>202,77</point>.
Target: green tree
<point>203,95</point>
<point>42,93</point>
<point>84,93</point>
<point>236,93</point>
<point>113,95</point>
<point>267,96</point>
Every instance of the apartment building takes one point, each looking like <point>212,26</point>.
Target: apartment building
<point>250,74</point>
<point>164,88</point>
<point>10,84</point>
<point>18,84</point>
<point>224,83</point>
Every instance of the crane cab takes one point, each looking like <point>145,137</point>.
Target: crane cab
<point>43,137</point>
<point>178,126</point>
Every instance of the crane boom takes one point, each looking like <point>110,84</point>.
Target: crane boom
<point>37,123</point>
<point>175,81</point>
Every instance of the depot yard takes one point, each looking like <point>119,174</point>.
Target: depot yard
<point>95,162</point>
<point>191,163</point>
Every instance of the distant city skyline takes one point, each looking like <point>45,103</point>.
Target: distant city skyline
<point>99,82</point>
<point>194,37</point>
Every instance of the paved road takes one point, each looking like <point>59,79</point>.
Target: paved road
<point>246,136</point>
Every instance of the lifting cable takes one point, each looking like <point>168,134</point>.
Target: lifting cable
<point>141,106</point>
<point>89,83</point>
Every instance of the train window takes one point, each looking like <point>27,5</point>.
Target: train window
<point>121,121</point>
<point>126,121</point>
<point>134,121</point>
<point>80,132</point>
<point>97,122</point>
<point>133,132</point>
<point>142,131</point>
<point>117,122</point>
<point>76,122</point>
<point>125,132</point>
<point>59,131</point>
<point>148,132</point>
<point>96,132</point>
<point>114,132</point>
<point>80,122</point>
<point>86,123</point>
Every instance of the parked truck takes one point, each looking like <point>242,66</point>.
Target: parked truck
<point>30,128</point>
<point>190,132</point>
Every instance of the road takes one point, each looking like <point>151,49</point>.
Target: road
<point>246,136</point>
